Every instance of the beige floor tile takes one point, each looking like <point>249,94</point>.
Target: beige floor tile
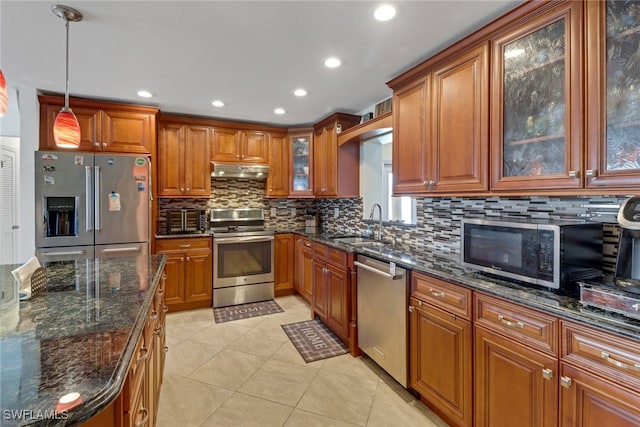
<point>288,353</point>
<point>280,382</point>
<point>171,341</point>
<point>221,334</point>
<point>185,402</point>
<point>259,342</point>
<point>347,398</point>
<point>394,403</point>
<point>228,369</point>
<point>179,332</point>
<point>247,411</point>
<point>187,356</point>
<point>349,365</point>
<point>299,418</point>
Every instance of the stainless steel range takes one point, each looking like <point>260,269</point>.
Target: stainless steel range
<point>242,257</point>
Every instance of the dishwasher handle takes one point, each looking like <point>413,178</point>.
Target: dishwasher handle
<point>379,272</point>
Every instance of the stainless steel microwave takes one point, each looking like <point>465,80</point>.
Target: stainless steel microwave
<point>546,253</point>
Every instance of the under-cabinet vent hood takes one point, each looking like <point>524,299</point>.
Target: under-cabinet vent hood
<point>224,170</point>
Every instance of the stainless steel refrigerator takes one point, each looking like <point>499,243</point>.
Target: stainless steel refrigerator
<point>91,205</point>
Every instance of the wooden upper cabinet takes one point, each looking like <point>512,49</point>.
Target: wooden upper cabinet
<point>536,106</point>
<point>460,138</point>
<point>104,126</point>
<point>411,125</point>
<point>240,146</point>
<point>183,161</point>
<point>278,179</point>
<point>301,164</point>
<point>225,146</point>
<point>336,168</point>
<point>613,94</point>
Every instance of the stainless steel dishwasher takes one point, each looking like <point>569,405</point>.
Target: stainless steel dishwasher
<point>382,315</point>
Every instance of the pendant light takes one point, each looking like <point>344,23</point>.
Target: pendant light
<point>4,97</point>
<point>66,129</point>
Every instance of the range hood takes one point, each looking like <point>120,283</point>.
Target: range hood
<point>225,170</point>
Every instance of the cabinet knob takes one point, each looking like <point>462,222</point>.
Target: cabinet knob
<point>591,173</point>
<point>271,190</point>
<point>188,258</point>
<point>547,374</point>
<point>425,183</point>
<point>574,174</point>
<point>565,382</point>
<point>188,189</point>
<point>97,144</point>
<point>182,189</point>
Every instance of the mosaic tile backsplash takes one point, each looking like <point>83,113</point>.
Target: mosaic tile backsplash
<point>438,219</point>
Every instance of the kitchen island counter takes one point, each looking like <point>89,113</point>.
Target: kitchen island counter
<point>79,337</point>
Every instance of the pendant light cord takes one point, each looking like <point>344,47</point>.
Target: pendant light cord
<point>66,92</point>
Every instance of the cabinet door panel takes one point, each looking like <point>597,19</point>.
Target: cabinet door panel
<point>225,146</point>
<point>613,99</point>
<point>337,301</point>
<point>254,147</point>
<point>278,179</point>
<point>509,385</point>
<point>197,168</point>
<point>320,162</point>
<point>319,292</point>
<point>175,270</point>
<point>440,352</point>
<point>537,102</point>
<point>590,401</point>
<point>284,262</point>
<point>89,120</point>
<point>171,157</point>
<point>306,289</point>
<point>460,129</point>
<point>127,132</point>
<point>198,275</point>
<point>301,165</point>
<point>410,128</point>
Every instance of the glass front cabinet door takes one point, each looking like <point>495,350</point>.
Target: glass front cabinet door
<point>536,102</point>
<point>613,93</point>
<point>301,171</point>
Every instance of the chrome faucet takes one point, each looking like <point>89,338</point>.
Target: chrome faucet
<point>380,222</point>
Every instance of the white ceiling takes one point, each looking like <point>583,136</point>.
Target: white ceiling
<point>251,54</point>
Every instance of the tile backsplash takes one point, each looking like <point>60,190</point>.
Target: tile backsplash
<point>438,219</point>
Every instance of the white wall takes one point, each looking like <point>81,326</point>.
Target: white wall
<point>29,135</point>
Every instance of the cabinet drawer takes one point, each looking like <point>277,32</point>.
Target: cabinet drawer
<point>528,326</point>
<point>607,354</point>
<point>337,257</point>
<point>320,251</point>
<point>183,244</point>
<point>444,295</point>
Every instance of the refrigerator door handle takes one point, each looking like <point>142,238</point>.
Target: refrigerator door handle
<point>97,195</point>
<point>117,250</point>
<point>59,253</point>
<point>87,186</point>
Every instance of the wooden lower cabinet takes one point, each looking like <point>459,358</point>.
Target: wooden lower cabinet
<point>337,314</point>
<point>285,246</point>
<point>514,384</point>
<point>189,270</point>
<point>441,361</point>
<point>319,290</point>
<point>303,282</point>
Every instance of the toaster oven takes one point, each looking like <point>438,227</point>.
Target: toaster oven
<point>180,221</point>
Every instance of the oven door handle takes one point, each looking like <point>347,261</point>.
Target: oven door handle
<point>247,239</point>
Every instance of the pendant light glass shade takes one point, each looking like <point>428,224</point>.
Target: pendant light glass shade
<point>4,96</point>
<point>66,129</point>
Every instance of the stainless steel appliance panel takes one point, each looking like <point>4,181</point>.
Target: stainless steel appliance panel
<point>242,260</point>
<point>63,179</point>
<point>121,199</point>
<point>122,249</point>
<point>235,295</point>
<point>382,315</point>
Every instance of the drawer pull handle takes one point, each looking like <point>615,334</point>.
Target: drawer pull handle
<point>510,323</point>
<point>145,355</point>
<point>144,420</point>
<point>154,316</point>
<point>157,330</point>
<point>165,308</point>
<point>166,349</point>
<point>608,358</point>
<point>565,382</point>
<point>186,246</point>
<point>437,294</point>
<point>547,374</point>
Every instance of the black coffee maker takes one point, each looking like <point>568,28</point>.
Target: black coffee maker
<point>628,262</point>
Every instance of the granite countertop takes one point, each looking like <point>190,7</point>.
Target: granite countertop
<point>447,267</point>
<point>78,337</point>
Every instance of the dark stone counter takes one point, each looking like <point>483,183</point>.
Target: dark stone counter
<point>78,337</point>
<point>447,267</point>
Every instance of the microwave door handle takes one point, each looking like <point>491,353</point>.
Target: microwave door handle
<point>87,187</point>
<point>97,196</point>
<point>247,239</point>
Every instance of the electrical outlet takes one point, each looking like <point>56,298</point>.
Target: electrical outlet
<point>274,212</point>
<point>293,211</point>
<point>336,212</point>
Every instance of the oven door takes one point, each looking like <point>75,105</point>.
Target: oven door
<point>242,260</point>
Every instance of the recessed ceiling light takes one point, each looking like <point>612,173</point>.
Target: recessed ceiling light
<point>384,12</point>
<point>279,111</point>
<point>144,94</point>
<point>332,62</point>
<point>217,103</point>
<point>300,92</point>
